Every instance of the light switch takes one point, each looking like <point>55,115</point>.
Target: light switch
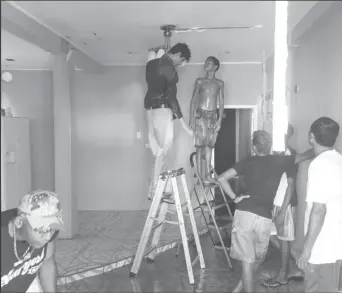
<point>138,135</point>
<point>11,157</point>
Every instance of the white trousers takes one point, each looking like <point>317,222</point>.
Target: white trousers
<point>160,134</point>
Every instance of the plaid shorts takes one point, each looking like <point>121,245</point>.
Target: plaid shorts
<point>250,237</point>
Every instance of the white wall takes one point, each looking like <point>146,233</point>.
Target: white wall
<point>30,93</point>
<point>316,67</point>
<point>318,73</point>
<point>113,165</point>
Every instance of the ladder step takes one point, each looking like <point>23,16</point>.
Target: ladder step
<point>226,218</point>
<point>222,224</point>
<point>195,261</point>
<point>214,205</point>
<point>210,185</point>
<point>165,221</point>
<point>171,222</point>
<point>227,243</point>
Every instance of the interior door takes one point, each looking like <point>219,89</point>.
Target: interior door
<point>226,142</point>
<point>244,133</point>
<point>225,150</point>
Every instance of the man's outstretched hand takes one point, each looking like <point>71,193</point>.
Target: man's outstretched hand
<point>240,198</point>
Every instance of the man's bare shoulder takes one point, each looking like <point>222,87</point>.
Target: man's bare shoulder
<point>199,80</point>
<point>220,81</point>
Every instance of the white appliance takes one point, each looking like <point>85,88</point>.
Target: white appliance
<point>15,161</point>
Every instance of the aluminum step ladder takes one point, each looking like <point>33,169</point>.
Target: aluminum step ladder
<point>210,204</point>
<point>162,202</point>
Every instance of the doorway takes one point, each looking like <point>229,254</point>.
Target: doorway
<point>233,144</point>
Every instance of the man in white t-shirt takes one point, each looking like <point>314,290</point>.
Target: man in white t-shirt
<point>322,252</point>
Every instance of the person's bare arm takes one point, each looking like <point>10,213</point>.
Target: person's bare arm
<point>223,180</point>
<point>194,102</point>
<point>221,106</point>
<point>307,155</point>
<point>48,270</point>
<point>288,195</point>
<point>280,216</point>
<point>316,222</point>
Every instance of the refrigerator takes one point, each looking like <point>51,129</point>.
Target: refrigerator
<point>15,161</point>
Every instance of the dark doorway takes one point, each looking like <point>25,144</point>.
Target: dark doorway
<point>225,147</point>
<point>225,152</point>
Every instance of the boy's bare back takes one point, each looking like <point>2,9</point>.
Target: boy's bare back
<point>209,90</point>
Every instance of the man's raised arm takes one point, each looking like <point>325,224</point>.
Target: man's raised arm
<point>307,155</point>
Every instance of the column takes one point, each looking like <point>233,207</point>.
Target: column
<point>62,95</point>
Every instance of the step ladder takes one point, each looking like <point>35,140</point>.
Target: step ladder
<point>210,204</point>
<point>163,203</point>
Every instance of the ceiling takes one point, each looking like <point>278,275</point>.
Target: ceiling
<point>24,54</point>
<point>120,32</point>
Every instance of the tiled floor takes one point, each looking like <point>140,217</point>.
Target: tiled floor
<point>105,237</point>
<point>168,274</point>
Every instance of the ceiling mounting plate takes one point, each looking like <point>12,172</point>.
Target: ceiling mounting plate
<point>167,27</point>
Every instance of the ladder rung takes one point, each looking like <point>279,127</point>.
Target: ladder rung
<point>150,250</point>
<point>226,218</point>
<point>226,241</point>
<point>218,206</point>
<point>211,185</point>
<point>221,224</point>
<point>195,261</point>
<point>171,222</point>
<point>214,206</point>
<point>156,226</point>
<point>165,221</point>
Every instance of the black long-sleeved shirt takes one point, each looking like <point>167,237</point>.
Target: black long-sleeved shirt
<point>162,78</point>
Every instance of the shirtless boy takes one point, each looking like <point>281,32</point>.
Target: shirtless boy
<point>203,114</point>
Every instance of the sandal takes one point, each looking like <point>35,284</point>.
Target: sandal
<point>274,284</point>
<point>295,279</point>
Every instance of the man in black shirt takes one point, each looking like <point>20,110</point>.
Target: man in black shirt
<point>162,105</point>
<point>27,246</point>
<point>253,215</point>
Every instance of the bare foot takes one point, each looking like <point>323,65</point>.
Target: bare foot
<point>206,180</point>
<point>212,180</point>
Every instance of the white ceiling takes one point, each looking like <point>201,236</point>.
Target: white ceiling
<point>126,29</point>
<point>120,32</point>
<point>25,54</point>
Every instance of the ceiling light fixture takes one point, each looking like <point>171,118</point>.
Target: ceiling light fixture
<point>7,76</point>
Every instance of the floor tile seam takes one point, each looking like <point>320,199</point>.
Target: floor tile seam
<point>78,254</point>
<point>115,265</point>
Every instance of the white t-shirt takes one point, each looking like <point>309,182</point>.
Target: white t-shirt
<point>325,186</point>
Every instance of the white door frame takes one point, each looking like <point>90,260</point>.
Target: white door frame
<point>254,109</point>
